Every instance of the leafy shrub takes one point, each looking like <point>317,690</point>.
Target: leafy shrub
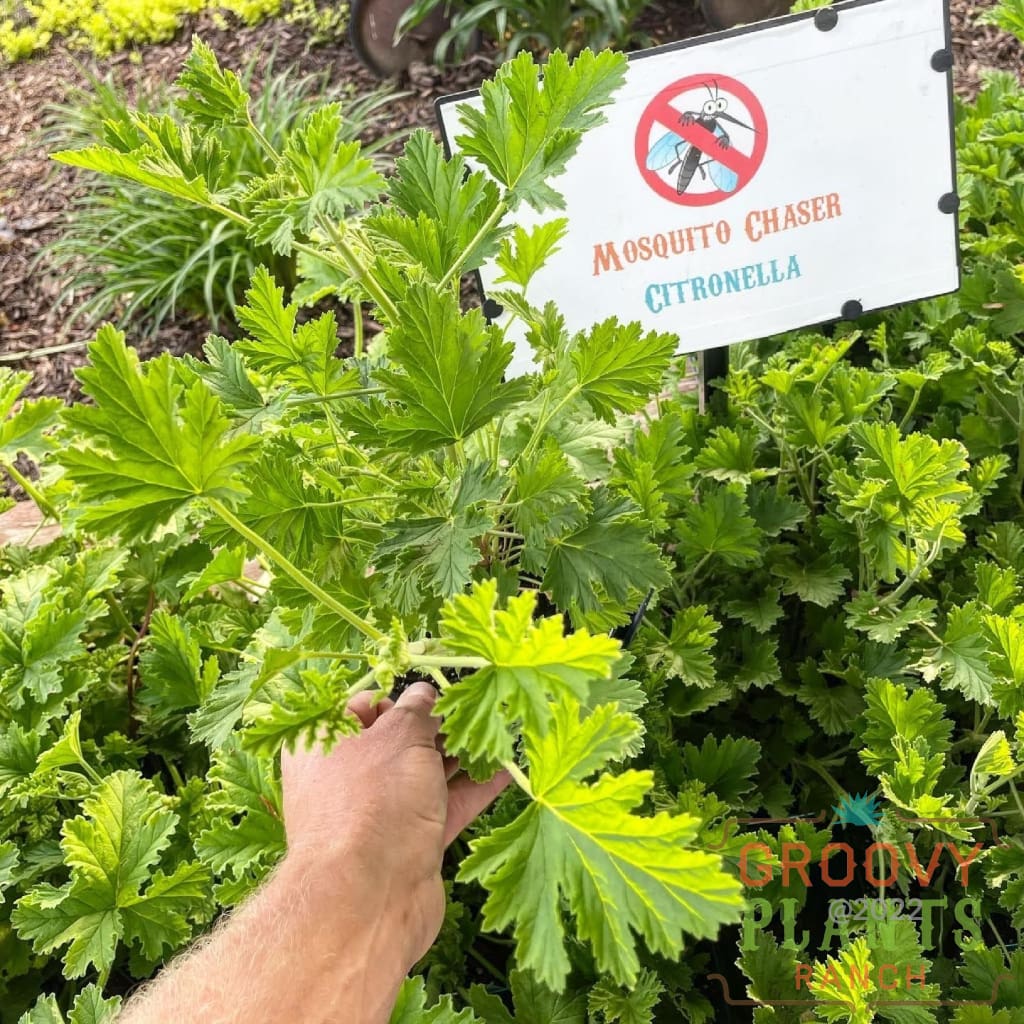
<point>108,25</point>
<point>141,256</point>
<point>536,25</point>
<point>834,556</point>
<point>1007,15</point>
<point>323,22</point>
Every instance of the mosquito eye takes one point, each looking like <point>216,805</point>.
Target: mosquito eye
<point>709,107</point>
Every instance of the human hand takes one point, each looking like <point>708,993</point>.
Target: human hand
<point>368,823</point>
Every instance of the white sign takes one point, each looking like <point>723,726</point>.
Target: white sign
<point>755,181</point>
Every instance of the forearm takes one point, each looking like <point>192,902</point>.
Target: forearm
<point>287,954</point>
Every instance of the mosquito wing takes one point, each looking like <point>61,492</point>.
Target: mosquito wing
<point>669,149</point>
<point>722,176</point>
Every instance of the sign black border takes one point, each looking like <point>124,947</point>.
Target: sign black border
<point>718,356</point>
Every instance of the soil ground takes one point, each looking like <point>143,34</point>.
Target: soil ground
<point>35,194</point>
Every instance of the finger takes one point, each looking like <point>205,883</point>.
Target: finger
<point>362,705</point>
<point>466,799</point>
<point>412,715</point>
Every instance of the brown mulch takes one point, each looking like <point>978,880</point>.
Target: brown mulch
<point>35,193</point>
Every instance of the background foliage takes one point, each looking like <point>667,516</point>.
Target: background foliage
<point>142,256</point>
<point>833,554</point>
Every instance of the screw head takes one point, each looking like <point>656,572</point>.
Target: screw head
<point>942,60</point>
<point>949,203</point>
<point>825,19</point>
<point>851,310</point>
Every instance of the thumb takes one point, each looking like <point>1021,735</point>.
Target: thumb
<point>412,717</point>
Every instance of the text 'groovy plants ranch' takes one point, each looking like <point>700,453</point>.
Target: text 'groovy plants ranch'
<point>757,225</point>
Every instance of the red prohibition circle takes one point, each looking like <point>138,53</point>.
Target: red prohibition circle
<point>660,116</point>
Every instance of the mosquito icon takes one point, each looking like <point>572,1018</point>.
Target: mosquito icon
<point>673,151</point>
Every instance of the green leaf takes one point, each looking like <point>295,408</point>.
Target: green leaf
<point>687,653</point>
<point>1007,636</point>
<point>23,431</point>
<point>529,662</point>
<point>774,512</point>
<point>161,155</point>
<point>285,509</point>
<point>621,873</point>
<point>893,712</point>
<point>995,757</point>
<point>718,525</point>
<point>610,1004</point>
<point>226,376</point>
<point>884,622</point>
<point>8,866</point>
<point>611,551</point>
<point>213,97</point>
<point>960,662</point>
<point>411,1007</point>
<point>244,803</point>
<point>819,581</point>
<point>524,135</point>
<point>113,893</point>
<point>448,371</point>
<point>171,667</point>
<point>761,610</point>
<point>618,367</point>
<point>915,468</point>
<point>537,1004</point>
<point>91,1008</point>
<point>67,750</point>
<point>327,178</point>
<point>440,550</point>
<point>446,210</point>
<point>313,711</point>
<point>843,986</point>
<point>227,566</point>
<point>303,356</point>
<point>522,255</point>
<point>725,766</point>
<point>144,449</point>
<point>728,455</point>
<point>45,1011</point>
<point>19,749</point>
<point>549,497</point>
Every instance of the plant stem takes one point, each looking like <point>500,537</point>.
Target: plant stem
<point>147,616</point>
<point>911,577</point>
<point>175,775</point>
<point>488,225</point>
<point>354,266</point>
<point>42,502</point>
<point>487,965</point>
<point>349,261</point>
<point>289,567</point>
<point>354,393</point>
<point>357,328</point>
<point>364,682</point>
<point>445,661</point>
<point>263,140</point>
<point>518,777</point>
<point>544,419</point>
<point>335,655</point>
<point>438,677</point>
<point>910,410</point>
